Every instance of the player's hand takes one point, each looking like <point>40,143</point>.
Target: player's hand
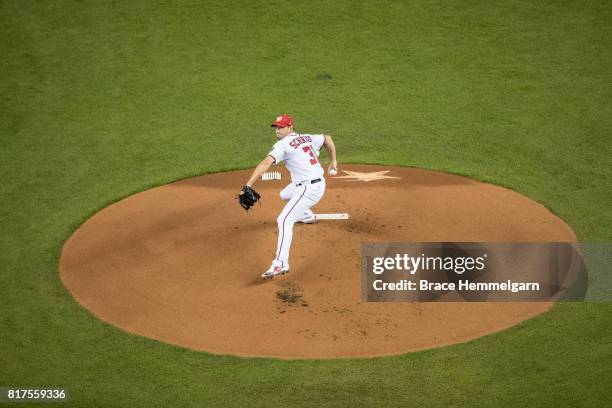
<point>332,169</point>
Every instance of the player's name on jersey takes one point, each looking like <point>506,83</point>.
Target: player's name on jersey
<point>296,142</point>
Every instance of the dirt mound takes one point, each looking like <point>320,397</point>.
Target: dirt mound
<point>181,263</point>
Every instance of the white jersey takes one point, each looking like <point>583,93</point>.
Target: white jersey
<point>299,152</point>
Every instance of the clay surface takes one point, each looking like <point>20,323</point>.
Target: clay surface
<point>181,263</point>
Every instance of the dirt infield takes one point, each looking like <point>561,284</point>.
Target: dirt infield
<point>181,263</point>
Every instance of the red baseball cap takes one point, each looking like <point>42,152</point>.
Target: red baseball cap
<point>283,120</point>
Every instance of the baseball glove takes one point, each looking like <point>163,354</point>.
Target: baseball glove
<point>248,197</point>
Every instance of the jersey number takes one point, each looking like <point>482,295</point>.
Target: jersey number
<point>308,149</point>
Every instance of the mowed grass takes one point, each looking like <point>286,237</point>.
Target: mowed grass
<point>99,100</point>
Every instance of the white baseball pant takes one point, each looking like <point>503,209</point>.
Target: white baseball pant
<point>301,199</point>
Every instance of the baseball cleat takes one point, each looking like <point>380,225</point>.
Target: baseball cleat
<point>309,220</point>
<point>274,271</point>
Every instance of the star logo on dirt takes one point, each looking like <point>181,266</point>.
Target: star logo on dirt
<point>365,177</point>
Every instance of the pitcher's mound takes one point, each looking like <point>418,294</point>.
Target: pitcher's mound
<point>181,263</point>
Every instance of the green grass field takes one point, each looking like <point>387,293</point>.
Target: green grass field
<point>102,99</point>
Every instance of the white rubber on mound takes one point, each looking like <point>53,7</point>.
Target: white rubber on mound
<point>338,216</point>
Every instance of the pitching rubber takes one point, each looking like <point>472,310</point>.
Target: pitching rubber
<point>338,216</point>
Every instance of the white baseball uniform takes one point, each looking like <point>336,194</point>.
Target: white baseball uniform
<point>299,152</point>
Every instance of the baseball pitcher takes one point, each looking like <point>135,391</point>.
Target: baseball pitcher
<point>307,187</point>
